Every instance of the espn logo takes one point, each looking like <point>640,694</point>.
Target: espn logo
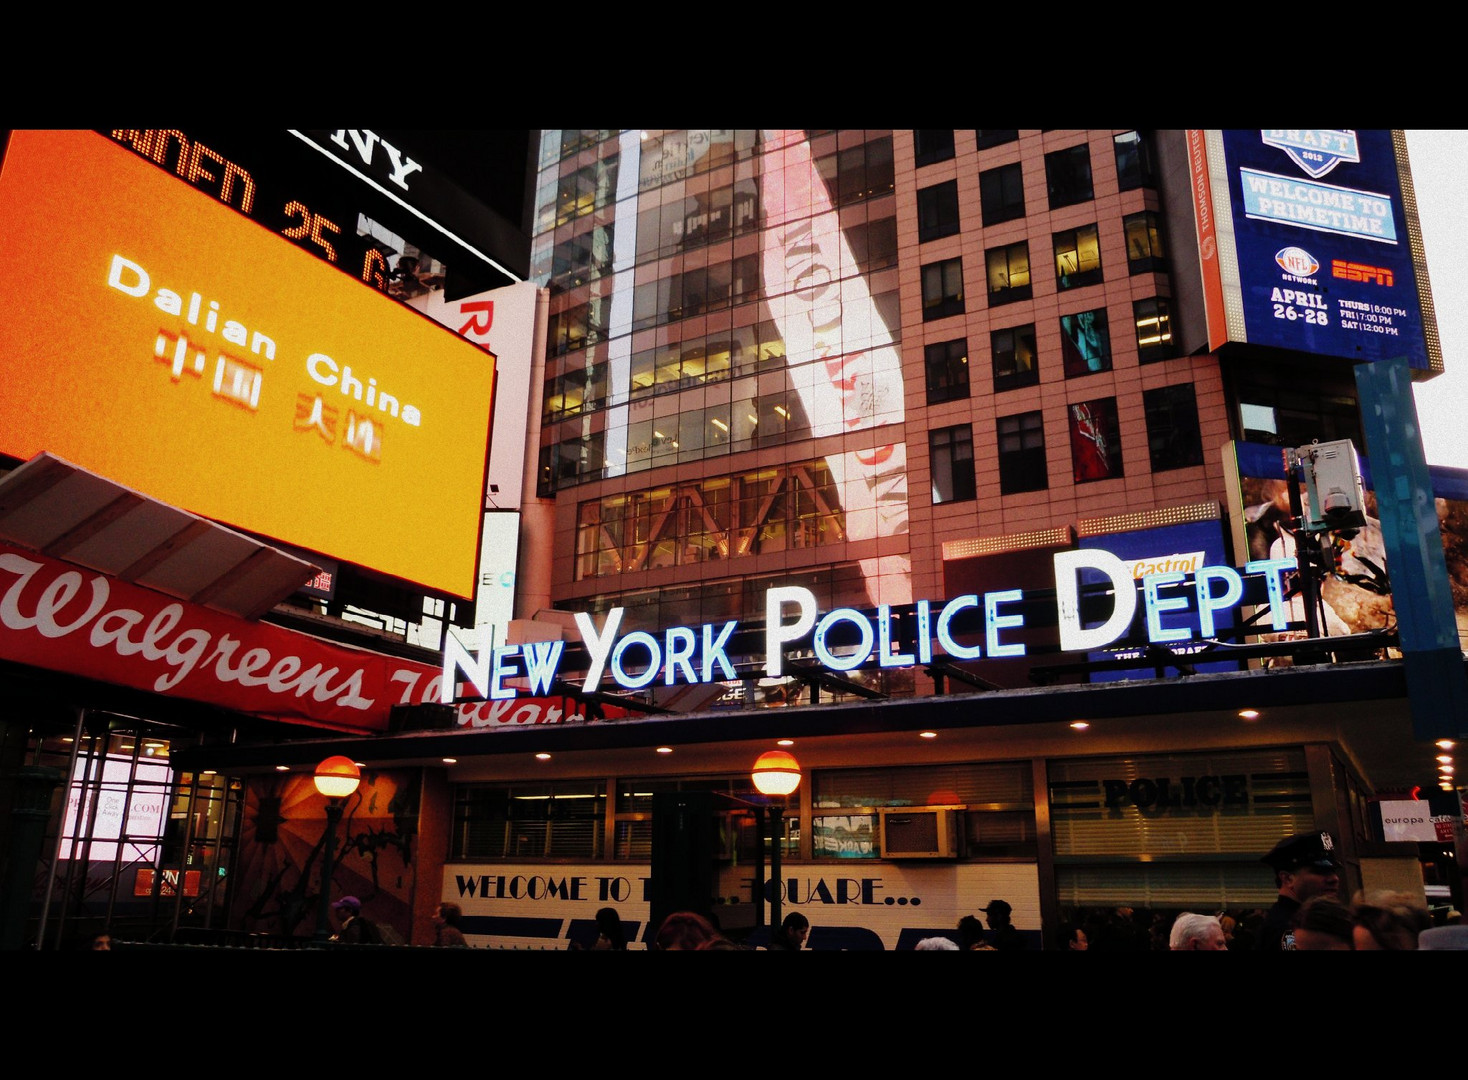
<point>1351,271</point>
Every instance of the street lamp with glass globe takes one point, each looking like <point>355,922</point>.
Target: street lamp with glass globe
<point>336,778</point>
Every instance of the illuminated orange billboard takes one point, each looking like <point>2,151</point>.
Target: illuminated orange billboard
<point>157,337</point>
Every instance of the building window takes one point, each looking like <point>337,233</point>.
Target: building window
<point>1085,344</point>
<point>1077,257</point>
<point>938,210</point>
<point>1068,176</point>
<point>930,146</point>
<point>873,247</point>
<point>1276,408</point>
<point>1002,194</point>
<point>942,289</point>
<point>581,389</point>
<point>1095,442</point>
<point>1173,439</point>
<point>1134,159</point>
<point>1008,271</point>
<point>998,819</point>
<point>1144,243</point>
<point>1014,357</point>
<point>1022,453</point>
<point>563,819</point>
<point>947,367</point>
<point>861,172</point>
<point>986,139</point>
<point>1154,329</point>
<point>577,328</point>
<point>571,461</point>
<point>951,452</point>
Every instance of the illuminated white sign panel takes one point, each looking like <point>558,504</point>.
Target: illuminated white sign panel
<point>1407,820</point>
<point>126,802</point>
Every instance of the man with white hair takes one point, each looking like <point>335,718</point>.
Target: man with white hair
<point>936,944</point>
<point>1196,932</point>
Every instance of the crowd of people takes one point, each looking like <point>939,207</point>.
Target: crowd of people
<point>1308,915</point>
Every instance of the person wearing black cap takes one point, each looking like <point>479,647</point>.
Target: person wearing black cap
<point>1002,934</point>
<point>1305,866</point>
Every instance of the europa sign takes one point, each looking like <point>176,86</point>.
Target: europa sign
<point>683,654</point>
<point>155,336</point>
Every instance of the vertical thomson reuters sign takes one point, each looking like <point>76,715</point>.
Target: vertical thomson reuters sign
<point>154,336</point>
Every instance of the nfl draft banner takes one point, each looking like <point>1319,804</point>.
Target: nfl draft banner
<point>1308,243</point>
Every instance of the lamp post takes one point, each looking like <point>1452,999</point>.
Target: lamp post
<point>775,773</point>
<point>336,778</point>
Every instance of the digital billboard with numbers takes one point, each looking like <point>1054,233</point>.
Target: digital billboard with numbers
<point>155,336</point>
<point>1309,240</point>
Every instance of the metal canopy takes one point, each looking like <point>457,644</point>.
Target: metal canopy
<point>1362,703</point>
<point>59,509</point>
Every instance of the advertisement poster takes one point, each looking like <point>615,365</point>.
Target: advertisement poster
<point>1323,239</point>
<point>156,337</point>
<point>1357,597</point>
<point>277,875</point>
<point>1181,549</point>
<point>871,908</point>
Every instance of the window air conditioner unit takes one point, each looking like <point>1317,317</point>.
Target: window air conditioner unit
<point>920,832</point>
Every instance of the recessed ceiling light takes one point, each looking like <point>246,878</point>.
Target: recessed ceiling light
<point>784,742</point>
<point>1446,759</point>
<point>1249,714</point>
<point>542,756</point>
<point>665,750</point>
<point>282,768</point>
<point>1445,769</point>
<point>450,761</point>
<point>208,772</point>
<point>927,734</point>
<point>1446,785</point>
<point>1445,744</point>
<point>1079,725</point>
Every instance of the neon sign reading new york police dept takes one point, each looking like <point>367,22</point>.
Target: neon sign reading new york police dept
<point>682,654</point>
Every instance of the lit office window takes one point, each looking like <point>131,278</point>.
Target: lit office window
<point>1077,257</point>
<point>1008,272</point>
<point>1154,329</point>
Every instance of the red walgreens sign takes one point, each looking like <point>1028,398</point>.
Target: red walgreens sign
<point>56,616</point>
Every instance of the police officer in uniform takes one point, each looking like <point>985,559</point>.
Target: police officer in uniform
<point>1304,866</point>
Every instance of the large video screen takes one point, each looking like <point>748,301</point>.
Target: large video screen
<point>154,336</point>
<point>1356,598</point>
<point>1322,232</point>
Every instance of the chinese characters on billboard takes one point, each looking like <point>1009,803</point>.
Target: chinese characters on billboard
<point>156,337</point>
